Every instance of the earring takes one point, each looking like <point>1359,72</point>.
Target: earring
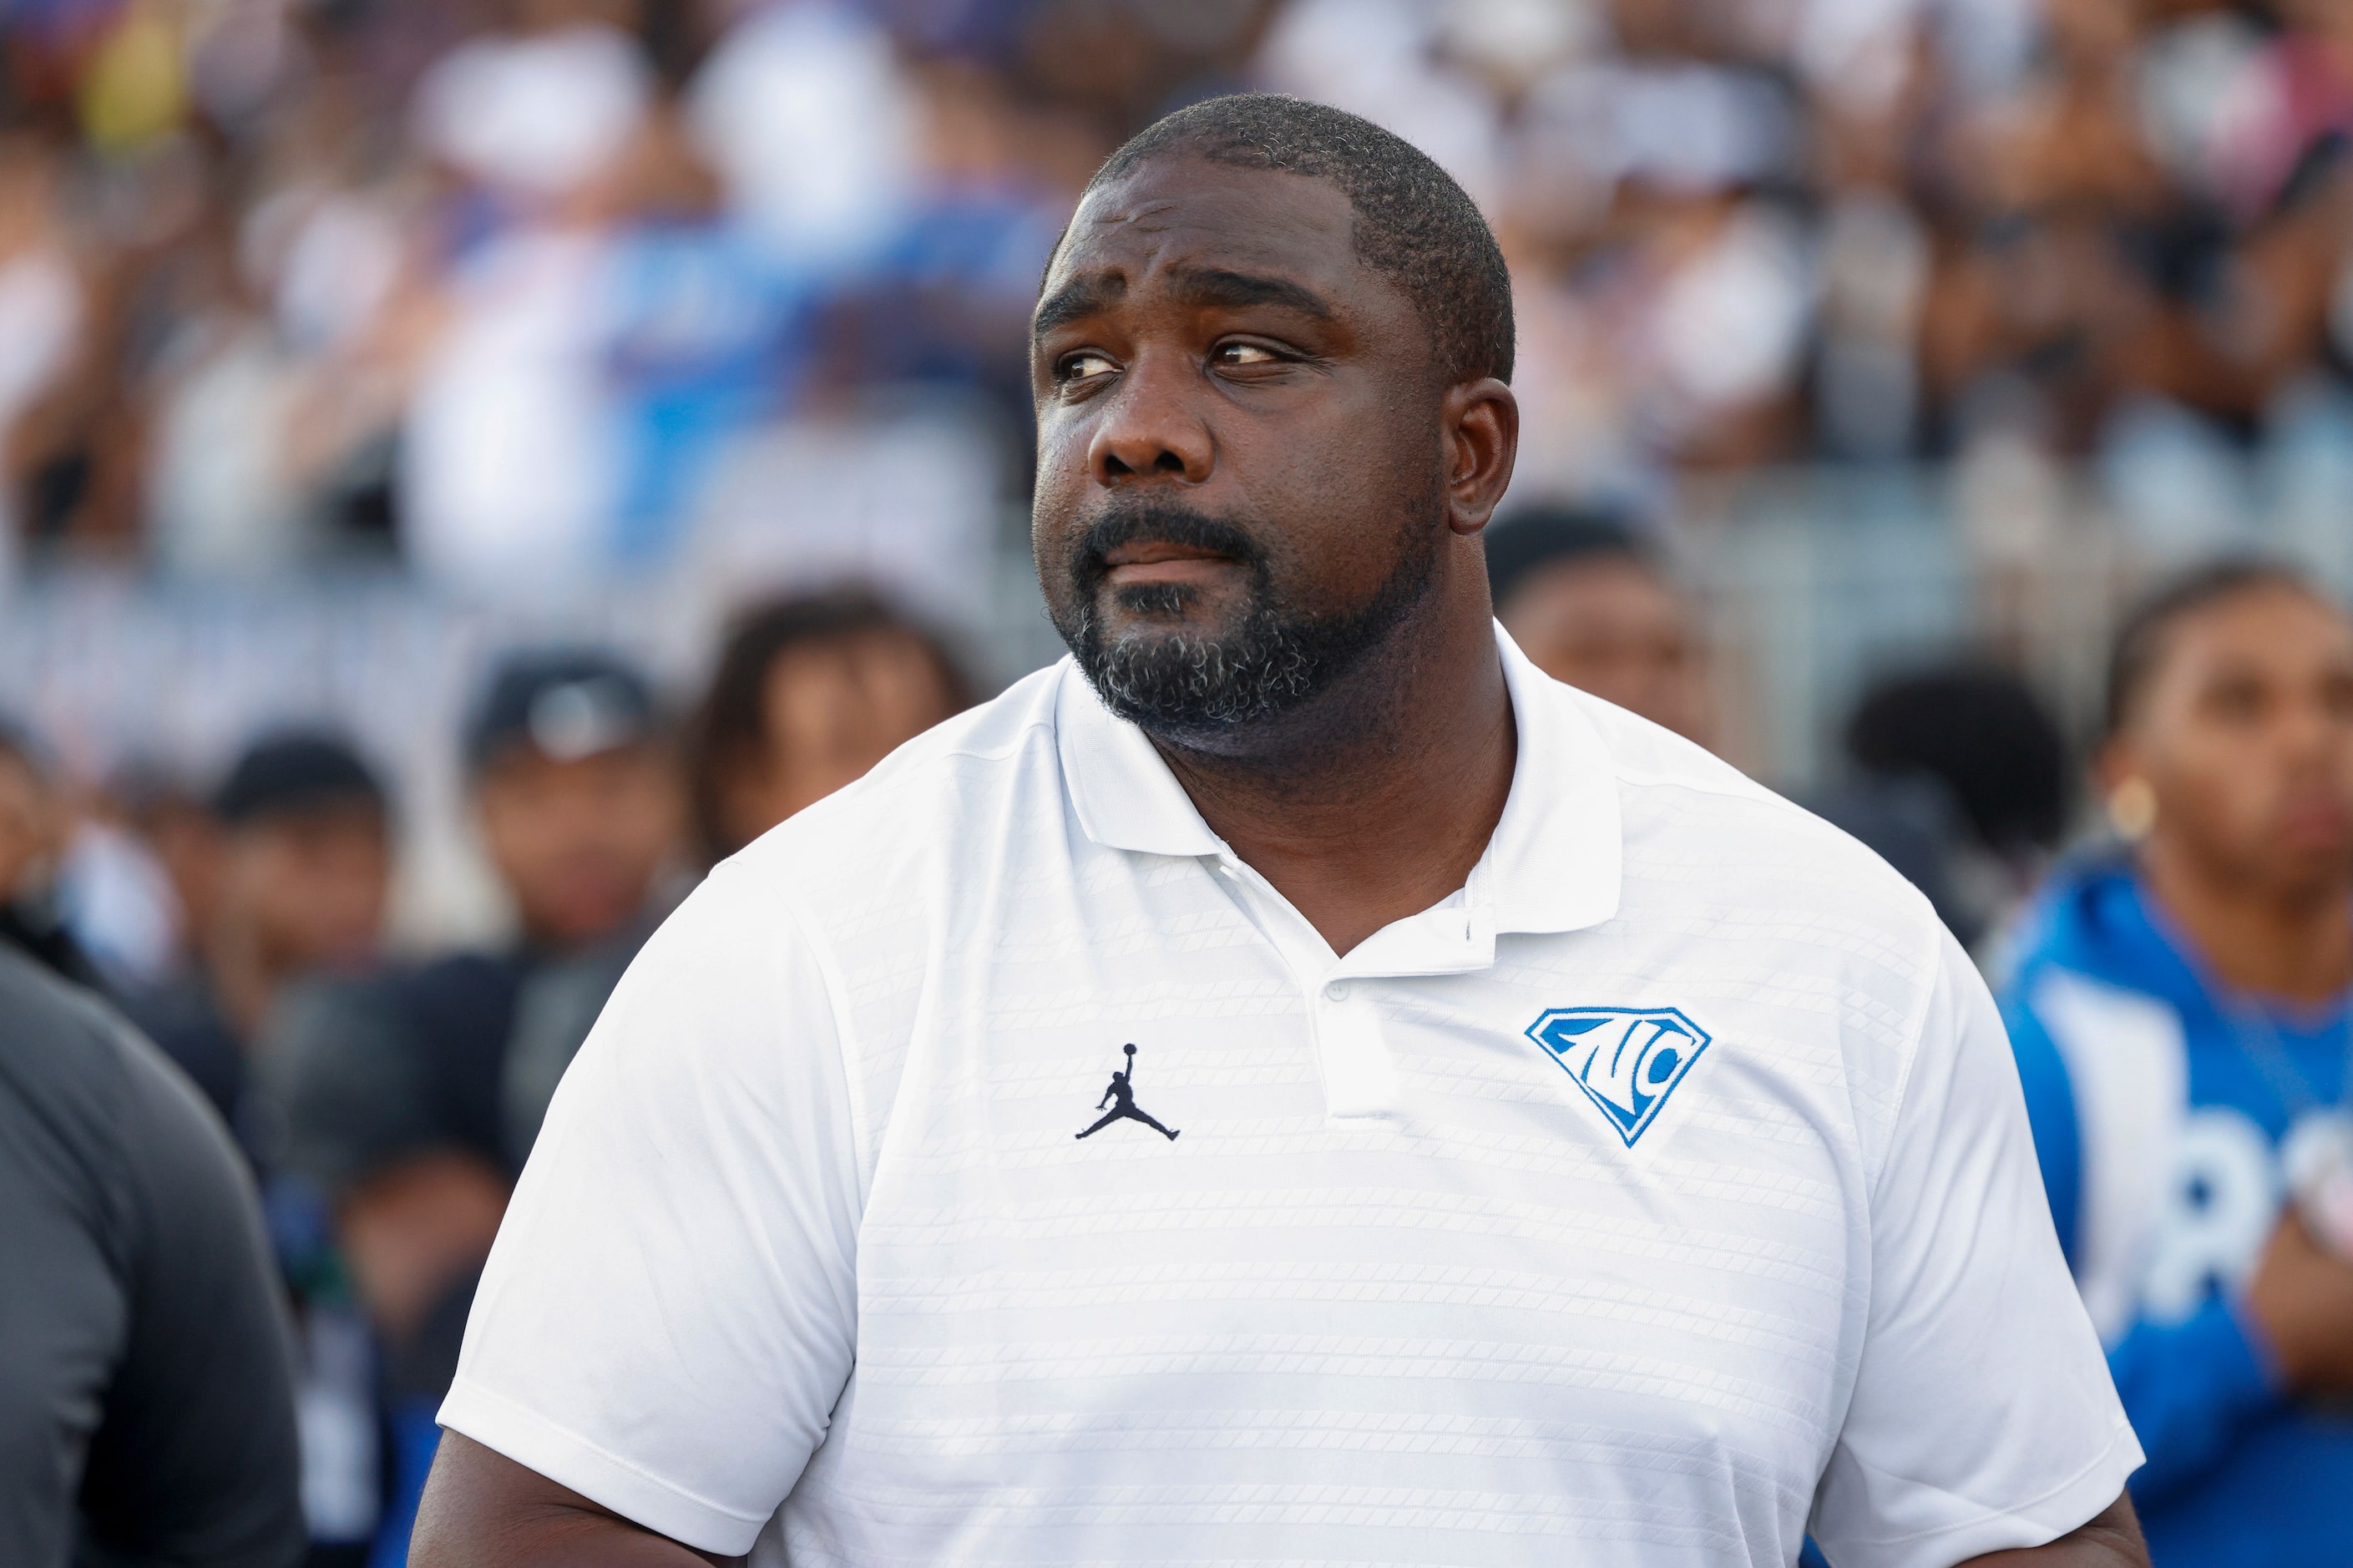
<point>2132,809</point>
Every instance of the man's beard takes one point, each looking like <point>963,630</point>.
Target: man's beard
<point>1274,658</point>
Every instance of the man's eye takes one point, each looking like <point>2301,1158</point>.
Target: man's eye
<point>1079,366</point>
<point>1245,353</point>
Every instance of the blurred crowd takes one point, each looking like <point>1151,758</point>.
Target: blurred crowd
<point>499,286</point>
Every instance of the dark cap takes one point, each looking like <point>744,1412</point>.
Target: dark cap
<point>1544,534</point>
<point>563,703</point>
<point>295,771</point>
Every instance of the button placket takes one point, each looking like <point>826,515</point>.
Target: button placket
<point>1344,1029</point>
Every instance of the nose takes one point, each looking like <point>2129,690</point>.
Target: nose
<point>1152,428</point>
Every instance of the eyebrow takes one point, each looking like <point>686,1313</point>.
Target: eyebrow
<point>1197,286</point>
<point>1215,286</point>
<point>1081,298</point>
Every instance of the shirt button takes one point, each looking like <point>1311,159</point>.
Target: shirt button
<point>1337,991</point>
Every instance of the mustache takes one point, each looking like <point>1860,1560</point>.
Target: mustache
<point>1161,524</point>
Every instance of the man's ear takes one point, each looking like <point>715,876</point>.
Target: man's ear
<point>1479,431</point>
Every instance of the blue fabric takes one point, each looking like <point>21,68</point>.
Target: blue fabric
<point>2051,1112</point>
<point>414,1440</point>
<point>710,337</point>
<point>2238,1473</point>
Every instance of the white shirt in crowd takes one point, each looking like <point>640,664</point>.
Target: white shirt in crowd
<point>1665,1191</point>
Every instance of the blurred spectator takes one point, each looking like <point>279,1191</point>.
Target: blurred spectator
<point>507,281</point>
<point>288,864</point>
<point>302,862</point>
<point>391,1086</point>
<point>42,306</point>
<point>175,826</point>
<point>810,693</point>
<point>36,824</point>
<point>1958,779</point>
<point>2181,1014</point>
<point>1592,603</point>
<point>146,1408</point>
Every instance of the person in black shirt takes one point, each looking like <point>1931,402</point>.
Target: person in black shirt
<point>390,1087</point>
<point>303,870</point>
<point>146,1403</point>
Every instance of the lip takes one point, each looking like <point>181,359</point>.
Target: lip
<point>2316,823</point>
<point>1158,560</point>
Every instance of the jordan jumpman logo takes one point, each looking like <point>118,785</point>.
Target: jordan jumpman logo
<point>1122,1090</point>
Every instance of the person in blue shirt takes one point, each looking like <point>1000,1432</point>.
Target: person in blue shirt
<point>2180,1009</point>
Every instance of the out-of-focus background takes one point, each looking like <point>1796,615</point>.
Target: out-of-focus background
<point>345,341</point>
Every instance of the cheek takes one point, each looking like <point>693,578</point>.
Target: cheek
<point>2214,789</point>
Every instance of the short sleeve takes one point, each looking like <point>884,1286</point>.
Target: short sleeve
<point>1982,1417</point>
<point>668,1317</point>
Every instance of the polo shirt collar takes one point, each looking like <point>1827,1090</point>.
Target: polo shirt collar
<point>1553,861</point>
<point>1552,865</point>
<point>1124,795</point>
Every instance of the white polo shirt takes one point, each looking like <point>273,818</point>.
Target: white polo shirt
<point>1666,1189</point>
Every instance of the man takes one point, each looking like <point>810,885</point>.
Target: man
<point>146,1408</point>
<point>302,870</point>
<point>2181,1020</point>
<point>1592,603</point>
<point>1587,1157</point>
<point>296,852</point>
<point>391,1087</point>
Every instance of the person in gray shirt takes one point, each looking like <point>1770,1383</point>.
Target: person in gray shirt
<point>146,1395</point>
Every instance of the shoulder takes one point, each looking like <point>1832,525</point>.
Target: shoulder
<point>88,1091</point>
<point>64,1054</point>
<point>1697,828</point>
<point>949,792</point>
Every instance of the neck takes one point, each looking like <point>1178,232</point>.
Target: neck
<point>2295,944</point>
<point>245,980</point>
<point>1375,800</point>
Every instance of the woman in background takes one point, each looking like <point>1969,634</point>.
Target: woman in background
<point>2181,1014</point>
<point>810,692</point>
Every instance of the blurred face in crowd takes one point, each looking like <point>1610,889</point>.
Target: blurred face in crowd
<point>308,887</point>
<point>2244,729</point>
<point>1239,494</point>
<point>1608,624</point>
<point>30,826</point>
<point>831,709</point>
<point>579,843</point>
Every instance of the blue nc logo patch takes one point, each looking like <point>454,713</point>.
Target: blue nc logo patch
<point>1626,1060</point>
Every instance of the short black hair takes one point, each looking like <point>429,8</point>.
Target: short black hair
<point>1984,734</point>
<point>293,772</point>
<point>1548,533</point>
<point>731,726</point>
<point>1414,223</point>
<point>2139,644</point>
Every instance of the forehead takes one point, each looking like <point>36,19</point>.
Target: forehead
<point>1183,213</point>
<point>2279,630</point>
<point>2269,625</point>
